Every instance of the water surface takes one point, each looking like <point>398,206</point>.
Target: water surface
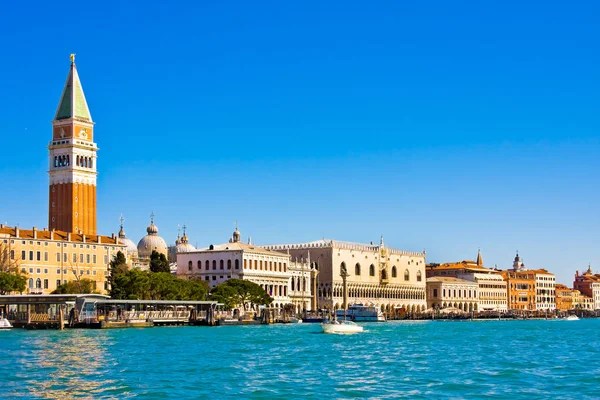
<point>469,359</point>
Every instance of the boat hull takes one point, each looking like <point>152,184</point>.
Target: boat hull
<point>341,328</point>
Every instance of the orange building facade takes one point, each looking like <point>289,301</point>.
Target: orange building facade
<point>72,162</point>
<point>564,298</point>
<point>521,289</point>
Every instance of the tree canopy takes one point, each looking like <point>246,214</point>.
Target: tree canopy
<point>239,293</point>
<point>11,278</point>
<point>158,262</point>
<point>135,284</point>
<point>79,286</point>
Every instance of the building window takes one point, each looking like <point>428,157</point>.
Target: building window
<point>214,264</point>
<point>23,255</point>
<point>58,272</point>
<point>38,283</point>
<point>74,258</point>
<point>12,254</point>
<point>38,270</point>
<point>435,293</point>
<point>94,259</point>
<point>45,270</point>
<point>394,272</point>
<point>87,258</point>
<point>190,264</point>
<point>45,283</point>
<point>406,275</point>
<point>214,277</point>
<point>245,264</point>
<point>418,276</point>
<point>207,277</point>
<point>261,265</point>
<point>65,257</point>
<point>105,259</point>
<point>199,264</point>
<point>57,282</point>
<point>207,265</point>
<point>81,258</point>
<point>31,255</point>
<point>221,264</point>
<point>38,255</point>
<point>46,256</point>
<point>371,270</point>
<point>31,283</point>
<point>237,264</point>
<point>357,269</point>
<point>229,264</point>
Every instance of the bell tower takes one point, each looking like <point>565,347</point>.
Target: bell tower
<point>72,162</point>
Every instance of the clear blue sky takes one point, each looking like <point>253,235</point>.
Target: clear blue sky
<point>446,126</point>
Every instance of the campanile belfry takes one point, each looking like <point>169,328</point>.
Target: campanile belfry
<point>72,201</point>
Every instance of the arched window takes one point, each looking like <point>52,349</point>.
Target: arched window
<point>383,274</point>
<point>207,265</point>
<point>357,269</point>
<point>343,269</point>
<point>406,275</point>
<point>31,283</point>
<point>190,266</point>
<point>91,162</point>
<point>68,161</point>
<point>237,264</point>
<point>394,272</point>
<point>38,283</point>
<point>372,270</point>
<point>229,264</point>
<point>221,264</point>
<point>55,162</point>
<point>214,264</point>
<point>199,264</point>
<point>293,284</point>
<point>419,276</point>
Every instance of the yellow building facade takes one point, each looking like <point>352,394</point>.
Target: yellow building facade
<point>50,258</point>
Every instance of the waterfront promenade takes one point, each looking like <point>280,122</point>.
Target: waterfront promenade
<point>421,359</point>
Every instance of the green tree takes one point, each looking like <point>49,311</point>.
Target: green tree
<point>118,266</point>
<point>239,292</point>
<point>158,262</point>
<point>80,286</point>
<point>10,282</point>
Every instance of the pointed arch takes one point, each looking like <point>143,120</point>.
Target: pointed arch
<point>406,275</point>
<point>357,269</point>
<point>371,270</point>
<point>394,272</point>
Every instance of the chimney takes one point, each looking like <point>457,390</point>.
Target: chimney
<point>16,231</point>
<point>34,232</point>
<point>83,238</point>
<point>52,234</point>
<point>99,239</point>
<point>68,236</point>
<point>1,226</point>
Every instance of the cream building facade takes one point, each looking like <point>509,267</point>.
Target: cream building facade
<point>389,278</point>
<point>492,289</point>
<point>545,290</point>
<point>51,258</point>
<point>218,263</point>
<point>445,291</point>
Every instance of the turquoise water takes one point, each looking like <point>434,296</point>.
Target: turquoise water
<point>491,359</point>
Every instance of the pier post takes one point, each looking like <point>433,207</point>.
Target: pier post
<point>61,318</point>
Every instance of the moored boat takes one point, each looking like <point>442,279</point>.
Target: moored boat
<point>361,313</point>
<point>572,318</point>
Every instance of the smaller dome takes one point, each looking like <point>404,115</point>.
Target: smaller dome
<point>131,247</point>
<point>185,248</point>
<point>152,229</point>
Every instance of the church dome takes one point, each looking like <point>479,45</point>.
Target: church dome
<point>183,245</point>
<point>152,242</point>
<point>131,248</point>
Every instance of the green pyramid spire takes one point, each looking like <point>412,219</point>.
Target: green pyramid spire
<point>72,102</point>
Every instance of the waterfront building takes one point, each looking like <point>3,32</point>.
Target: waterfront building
<point>445,291</point>
<point>545,293</point>
<point>588,284</point>
<point>564,297</point>
<point>72,159</point>
<point>520,287</point>
<point>218,263</point>
<point>582,302</point>
<point>529,289</point>
<point>391,279</point>
<point>51,257</point>
<point>492,289</point>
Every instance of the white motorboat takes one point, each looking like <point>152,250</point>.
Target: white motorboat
<point>295,320</point>
<point>572,318</point>
<point>4,324</point>
<point>361,313</point>
<point>342,327</point>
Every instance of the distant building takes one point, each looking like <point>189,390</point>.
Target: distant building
<point>51,258</point>
<point>389,278</point>
<point>588,284</point>
<point>267,268</point>
<point>545,293</point>
<point>492,289</point>
<point>564,298</point>
<point>445,291</point>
